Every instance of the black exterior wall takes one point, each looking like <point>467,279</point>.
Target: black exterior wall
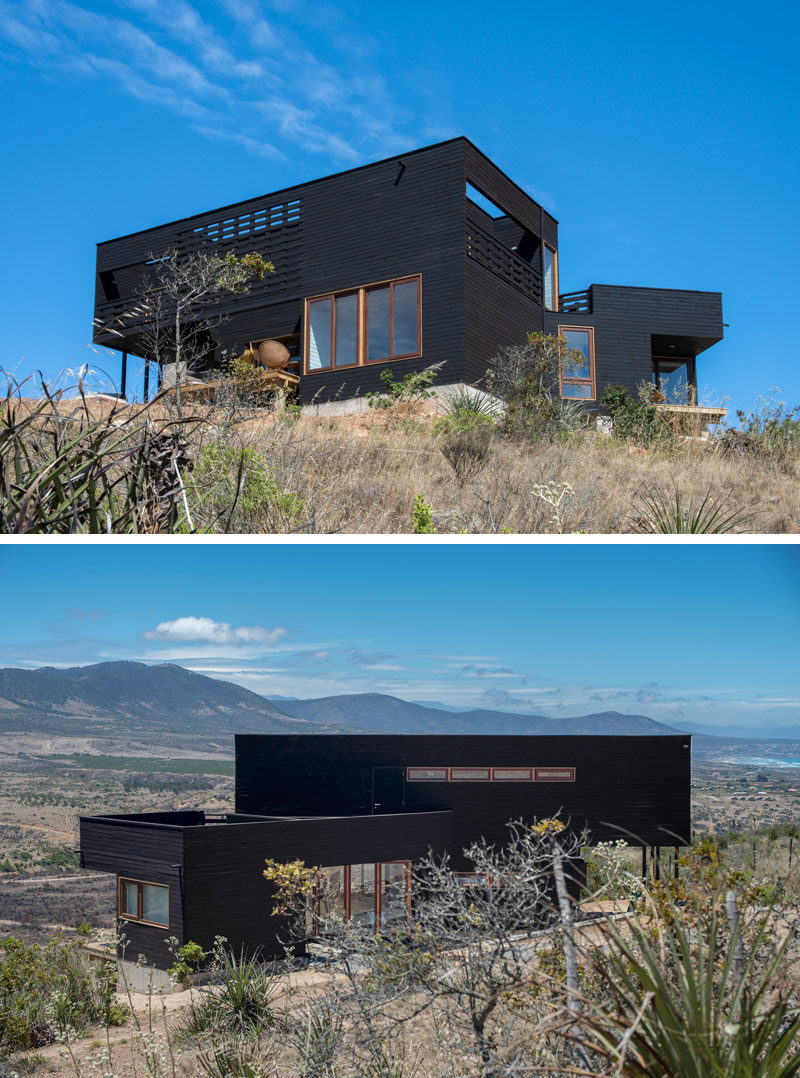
<point>637,788</point>
<point>634,324</point>
<point>214,870</point>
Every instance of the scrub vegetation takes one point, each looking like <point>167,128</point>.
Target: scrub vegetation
<point>90,465</point>
<point>691,974</point>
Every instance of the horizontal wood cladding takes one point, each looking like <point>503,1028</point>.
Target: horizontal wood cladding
<point>495,185</point>
<point>496,315</point>
<point>627,318</point>
<point>636,787</point>
<point>145,851</point>
<point>384,221</point>
<point>223,867</point>
<point>549,230</point>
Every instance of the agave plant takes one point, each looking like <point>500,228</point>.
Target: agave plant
<point>687,1003</point>
<point>656,513</point>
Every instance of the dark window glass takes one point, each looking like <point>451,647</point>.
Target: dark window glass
<point>405,319</point>
<point>378,323</point>
<point>346,331</point>
<point>673,380</point>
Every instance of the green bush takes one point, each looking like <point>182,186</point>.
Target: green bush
<point>414,387</point>
<point>526,379</point>
<point>637,420</point>
<point>422,517</point>
<point>46,989</point>
<point>242,1004</point>
<point>238,485</point>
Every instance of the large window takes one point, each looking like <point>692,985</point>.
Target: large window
<point>374,896</point>
<point>373,324</point>
<point>577,363</point>
<point>139,901</point>
<point>550,279</point>
<point>674,379</point>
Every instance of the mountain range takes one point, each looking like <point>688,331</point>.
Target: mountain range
<point>136,698</point>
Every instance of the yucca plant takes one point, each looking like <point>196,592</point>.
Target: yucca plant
<point>657,513</point>
<point>687,1002</point>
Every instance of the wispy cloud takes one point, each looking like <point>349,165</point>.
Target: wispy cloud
<point>228,78</point>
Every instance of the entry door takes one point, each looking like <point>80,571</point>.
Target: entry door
<point>387,790</point>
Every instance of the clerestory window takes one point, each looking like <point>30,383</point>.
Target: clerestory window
<point>372,324</point>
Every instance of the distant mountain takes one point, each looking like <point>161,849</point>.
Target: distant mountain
<point>374,711</point>
<point>135,698</point>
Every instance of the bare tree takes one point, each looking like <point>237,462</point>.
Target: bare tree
<point>182,304</point>
<point>466,960</point>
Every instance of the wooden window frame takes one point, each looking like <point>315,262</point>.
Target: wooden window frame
<point>140,884</point>
<point>571,777</point>
<point>592,379</point>
<point>428,767</point>
<point>362,325</point>
<point>554,309</point>
<point>527,778</point>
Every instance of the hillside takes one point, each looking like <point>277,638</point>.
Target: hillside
<point>135,698</point>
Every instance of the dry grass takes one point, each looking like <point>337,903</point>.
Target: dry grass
<point>362,474</point>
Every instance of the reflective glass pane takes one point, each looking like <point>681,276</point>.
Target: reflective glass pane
<point>130,899</point>
<point>155,904</point>
<point>549,280</point>
<point>331,899</point>
<point>577,390</point>
<point>405,318</point>
<point>674,380</point>
<point>362,895</point>
<point>378,323</point>
<point>319,334</point>
<point>346,330</point>
<point>394,894</point>
<point>576,357</point>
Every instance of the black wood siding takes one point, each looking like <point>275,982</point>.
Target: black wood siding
<point>625,320</point>
<point>227,894</point>
<point>148,851</point>
<point>635,787</point>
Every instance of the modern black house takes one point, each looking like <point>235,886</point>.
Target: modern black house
<point>429,257</point>
<point>364,808</point>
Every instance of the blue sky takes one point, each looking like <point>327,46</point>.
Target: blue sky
<point>663,138</point>
<point>690,633</point>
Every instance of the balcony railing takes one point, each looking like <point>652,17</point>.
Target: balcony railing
<point>498,258</point>
<point>575,302</point>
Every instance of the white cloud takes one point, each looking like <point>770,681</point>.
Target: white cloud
<point>214,632</point>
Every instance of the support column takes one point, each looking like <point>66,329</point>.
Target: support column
<point>146,390</point>
<point>123,377</point>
